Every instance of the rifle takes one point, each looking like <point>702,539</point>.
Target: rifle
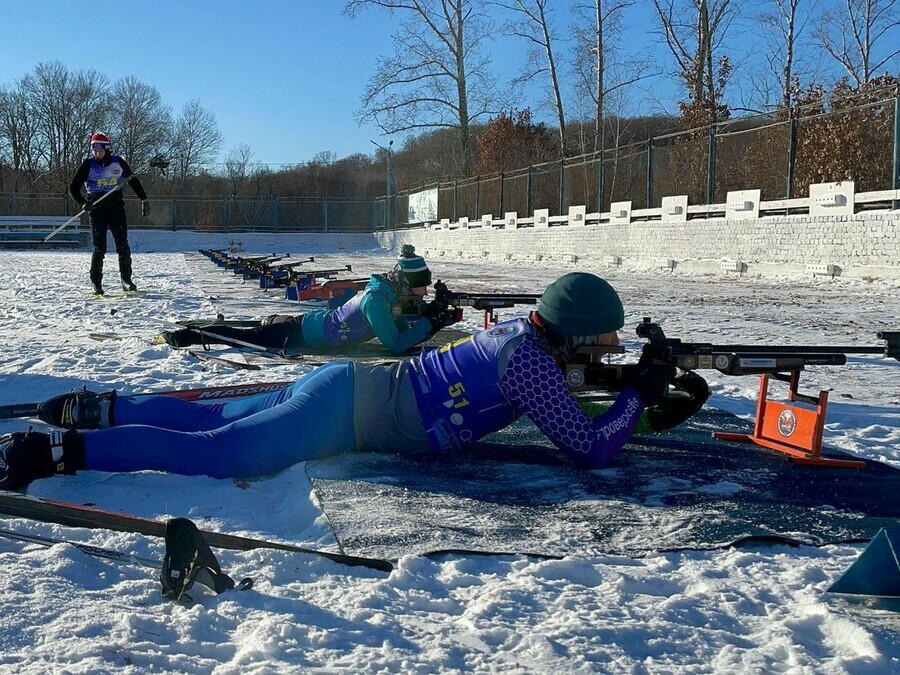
<point>279,273</point>
<point>779,362</point>
<point>487,302</point>
<point>782,427</point>
<point>306,284</point>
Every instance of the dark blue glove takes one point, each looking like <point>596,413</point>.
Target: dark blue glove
<point>651,380</point>
<point>690,392</point>
<point>88,207</point>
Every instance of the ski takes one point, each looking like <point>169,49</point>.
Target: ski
<point>206,355</point>
<point>15,410</point>
<point>101,337</point>
<point>96,551</point>
<point>201,355</point>
<point>76,515</point>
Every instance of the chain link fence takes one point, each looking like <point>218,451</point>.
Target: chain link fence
<point>220,215</point>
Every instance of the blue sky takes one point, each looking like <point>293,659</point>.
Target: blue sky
<point>283,76</point>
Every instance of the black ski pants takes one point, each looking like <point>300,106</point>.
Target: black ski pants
<point>109,219</point>
<point>277,331</point>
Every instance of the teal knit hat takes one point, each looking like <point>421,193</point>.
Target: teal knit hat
<point>413,267</point>
<point>579,303</point>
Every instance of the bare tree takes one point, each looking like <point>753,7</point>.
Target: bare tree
<point>197,139</point>
<point>694,31</point>
<point>438,75</point>
<point>237,164</point>
<point>782,24</point>
<point>601,72</point>
<point>67,107</point>
<point>17,134</point>
<point>853,36</point>
<point>533,24</point>
<point>141,123</point>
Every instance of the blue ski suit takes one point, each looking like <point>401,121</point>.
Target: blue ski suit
<point>368,314</point>
<point>448,398</point>
<point>373,312</point>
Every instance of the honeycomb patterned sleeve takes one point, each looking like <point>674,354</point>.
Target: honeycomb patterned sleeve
<point>534,384</point>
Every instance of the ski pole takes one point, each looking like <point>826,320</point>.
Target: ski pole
<point>96,551</point>
<point>157,162</point>
<point>263,351</point>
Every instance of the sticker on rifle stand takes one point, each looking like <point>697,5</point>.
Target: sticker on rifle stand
<point>722,362</point>
<point>787,423</point>
<point>575,378</point>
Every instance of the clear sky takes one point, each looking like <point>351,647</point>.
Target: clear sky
<point>283,76</point>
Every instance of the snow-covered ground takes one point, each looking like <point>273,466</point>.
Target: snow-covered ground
<point>741,610</point>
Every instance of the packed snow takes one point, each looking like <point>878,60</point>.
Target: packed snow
<point>760,609</point>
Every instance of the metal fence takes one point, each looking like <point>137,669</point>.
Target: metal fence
<point>221,215</point>
<point>780,154</point>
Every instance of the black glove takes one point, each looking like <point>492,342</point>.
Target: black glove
<point>88,207</point>
<point>689,395</point>
<point>145,208</point>
<point>440,316</point>
<point>651,380</point>
<point>432,310</point>
<point>450,316</point>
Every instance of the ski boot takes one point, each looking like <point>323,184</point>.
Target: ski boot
<point>25,457</point>
<point>96,288</point>
<point>79,410</point>
<point>128,286</point>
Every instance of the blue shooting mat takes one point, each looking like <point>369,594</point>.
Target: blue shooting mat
<point>680,490</point>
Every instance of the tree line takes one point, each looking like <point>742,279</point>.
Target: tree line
<point>808,57</point>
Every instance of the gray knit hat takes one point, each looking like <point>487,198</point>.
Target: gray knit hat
<point>413,267</point>
<point>579,303</point>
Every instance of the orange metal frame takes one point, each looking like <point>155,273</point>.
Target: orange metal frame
<point>790,429</point>
<point>489,318</point>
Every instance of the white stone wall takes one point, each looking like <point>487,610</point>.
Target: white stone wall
<point>865,244</point>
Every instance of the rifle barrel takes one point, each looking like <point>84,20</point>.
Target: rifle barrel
<point>791,349</point>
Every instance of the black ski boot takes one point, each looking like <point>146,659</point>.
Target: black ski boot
<point>25,457</point>
<point>183,337</point>
<point>96,288</point>
<point>128,286</point>
<point>79,410</point>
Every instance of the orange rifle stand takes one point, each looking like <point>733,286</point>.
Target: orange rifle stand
<point>489,318</point>
<point>790,429</point>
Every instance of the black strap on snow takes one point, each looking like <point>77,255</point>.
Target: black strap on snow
<point>189,560</point>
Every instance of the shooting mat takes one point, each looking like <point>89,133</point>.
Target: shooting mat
<point>515,494</point>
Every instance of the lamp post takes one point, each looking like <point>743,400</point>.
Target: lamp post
<point>388,187</point>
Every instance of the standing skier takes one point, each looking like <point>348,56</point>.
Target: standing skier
<point>446,399</point>
<point>373,312</point>
<point>100,174</point>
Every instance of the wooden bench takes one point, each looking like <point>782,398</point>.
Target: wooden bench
<point>30,231</point>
